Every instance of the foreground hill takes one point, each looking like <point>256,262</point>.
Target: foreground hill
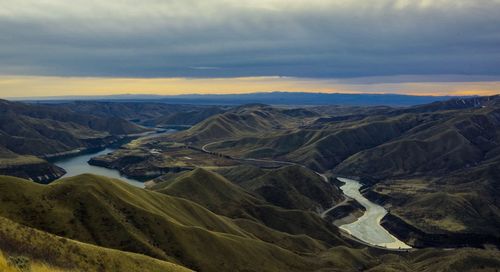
<point>65,254</point>
<point>102,214</point>
<point>113,214</point>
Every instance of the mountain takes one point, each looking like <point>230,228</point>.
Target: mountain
<point>412,160</point>
<point>28,130</point>
<point>147,114</point>
<point>443,143</point>
<point>245,120</point>
<point>42,130</point>
<point>320,145</point>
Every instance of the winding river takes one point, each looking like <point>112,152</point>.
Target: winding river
<point>367,228</point>
<point>78,164</point>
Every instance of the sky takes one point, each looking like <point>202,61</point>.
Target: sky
<point>422,47</point>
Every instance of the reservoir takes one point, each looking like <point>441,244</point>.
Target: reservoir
<point>367,228</point>
<point>77,165</point>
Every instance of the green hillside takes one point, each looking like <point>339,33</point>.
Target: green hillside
<point>459,139</point>
<point>243,121</point>
<point>290,187</point>
<point>47,252</point>
<point>97,224</point>
<point>223,197</point>
<point>112,214</point>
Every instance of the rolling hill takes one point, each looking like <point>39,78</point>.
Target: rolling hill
<point>97,224</point>
<point>290,187</point>
<point>19,242</point>
<point>436,146</point>
<point>112,214</point>
<point>152,114</point>
<point>245,120</point>
<point>226,198</point>
<point>28,130</point>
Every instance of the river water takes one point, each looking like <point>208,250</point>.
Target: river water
<point>78,164</point>
<point>367,228</point>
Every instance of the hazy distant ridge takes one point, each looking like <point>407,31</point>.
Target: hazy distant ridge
<point>275,98</point>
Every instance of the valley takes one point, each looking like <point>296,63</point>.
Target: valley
<point>253,181</point>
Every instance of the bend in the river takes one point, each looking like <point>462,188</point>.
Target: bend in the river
<point>367,228</point>
<point>78,164</point>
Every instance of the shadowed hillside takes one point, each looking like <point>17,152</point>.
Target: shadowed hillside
<point>144,113</point>
<point>290,187</point>
<point>44,131</point>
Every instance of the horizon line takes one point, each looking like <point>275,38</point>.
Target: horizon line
<point>156,96</point>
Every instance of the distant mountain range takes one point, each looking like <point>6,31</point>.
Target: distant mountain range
<point>272,98</point>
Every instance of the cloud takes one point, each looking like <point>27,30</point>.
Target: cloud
<point>298,38</point>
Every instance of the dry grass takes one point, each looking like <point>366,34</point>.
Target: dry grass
<point>7,265</point>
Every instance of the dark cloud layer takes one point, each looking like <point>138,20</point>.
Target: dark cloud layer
<point>217,38</point>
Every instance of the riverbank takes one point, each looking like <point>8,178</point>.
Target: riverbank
<point>367,228</point>
<point>85,162</point>
<point>77,165</point>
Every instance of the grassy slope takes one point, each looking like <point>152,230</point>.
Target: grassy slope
<point>67,254</point>
<point>7,265</point>
<point>242,121</point>
<point>451,164</point>
<point>223,197</point>
<point>320,146</point>
<point>453,142</point>
<point>291,187</point>
<point>113,214</point>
